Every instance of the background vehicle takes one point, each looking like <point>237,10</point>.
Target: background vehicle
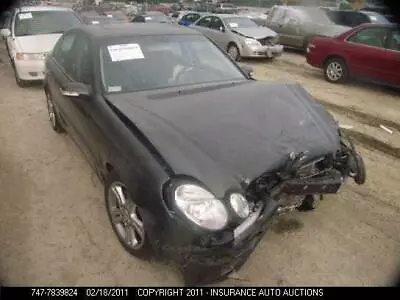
<point>32,34</point>
<point>240,36</point>
<point>117,15</point>
<point>370,51</point>
<point>144,102</point>
<point>152,17</point>
<point>297,25</point>
<point>257,17</point>
<point>189,18</point>
<point>378,7</point>
<point>161,8</point>
<point>95,19</point>
<point>226,8</point>
<point>354,18</point>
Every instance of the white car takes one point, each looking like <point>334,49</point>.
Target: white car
<point>31,34</point>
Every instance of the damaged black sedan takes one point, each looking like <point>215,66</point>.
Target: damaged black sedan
<point>196,156</point>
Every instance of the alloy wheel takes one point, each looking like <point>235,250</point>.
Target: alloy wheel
<point>125,217</point>
<point>334,71</point>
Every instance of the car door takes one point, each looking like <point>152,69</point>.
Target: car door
<point>70,63</point>
<point>394,50</point>
<point>367,55</point>
<point>219,33</point>
<point>275,21</point>
<point>11,40</point>
<point>291,33</point>
<point>203,25</point>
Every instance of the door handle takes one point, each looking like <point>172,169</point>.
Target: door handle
<point>69,93</point>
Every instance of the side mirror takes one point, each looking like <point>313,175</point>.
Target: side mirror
<point>5,32</point>
<point>76,89</point>
<point>248,70</point>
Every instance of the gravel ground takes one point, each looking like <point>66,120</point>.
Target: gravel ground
<point>54,228</point>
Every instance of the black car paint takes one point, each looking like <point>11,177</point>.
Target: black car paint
<point>112,140</point>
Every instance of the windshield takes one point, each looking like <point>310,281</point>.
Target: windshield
<point>151,62</point>
<point>239,22</point>
<point>314,15</point>
<point>377,18</point>
<point>44,22</point>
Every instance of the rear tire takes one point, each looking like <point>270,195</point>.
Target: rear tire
<point>20,82</point>
<point>335,70</point>
<point>53,114</point>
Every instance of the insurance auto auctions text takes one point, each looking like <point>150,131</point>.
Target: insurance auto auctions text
<point>228,292</point>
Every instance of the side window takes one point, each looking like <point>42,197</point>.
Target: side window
<point>277,14</point>
<point>79,67</point>
<point>394,42</point>
<point>291,17</point>
<point>216,23</point>
<point>139,19</point>
<point>62,49</point>
<point>374,37</point>
<point>204,22</point>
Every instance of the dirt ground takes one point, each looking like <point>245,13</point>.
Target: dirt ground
<point>54,228</point>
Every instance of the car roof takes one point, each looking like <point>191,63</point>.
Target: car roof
<point>42,8</point>
<point>136,29</point>
<point>221,15</point>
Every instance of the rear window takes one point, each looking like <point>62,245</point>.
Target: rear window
<point>44,22</point>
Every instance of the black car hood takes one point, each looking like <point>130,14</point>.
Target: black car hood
<point>224,135</point>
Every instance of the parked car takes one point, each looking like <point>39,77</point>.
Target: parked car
<point>381,9</point>
<point>352,19</point>
<point>161,8</point>
<point>151,17</point>
<point>298,25</point>
<point>117,15</point>
<point>97,19</point>
<point>239,36</point>
<point>144,102</point>
<point>189,18</point>
<point>226,8</point>
<point>258,17</point>
<point>370,51</point>
<point>31,35</point>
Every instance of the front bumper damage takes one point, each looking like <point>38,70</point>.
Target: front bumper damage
<point>222,254</point>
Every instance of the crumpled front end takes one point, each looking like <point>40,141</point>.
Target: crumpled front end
<point>210,257</point>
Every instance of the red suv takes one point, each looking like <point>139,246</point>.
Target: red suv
<point>370,51</point>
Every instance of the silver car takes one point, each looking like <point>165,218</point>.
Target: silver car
<point>239,36</point>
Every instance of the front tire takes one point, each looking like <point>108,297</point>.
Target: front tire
<point>335,70</point>
<point>233,52</point>
<point>126,218</point>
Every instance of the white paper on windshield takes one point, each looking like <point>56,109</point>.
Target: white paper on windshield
<point>147,18</point>
<point>233,25</point>
<point>125,52</point>
<point>109,16</point>
<point>95,22</point>
<point>113,89</point>
<point>373,18</point>
<point>25,16</point>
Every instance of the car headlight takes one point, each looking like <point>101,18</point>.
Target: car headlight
<point>30,56</point>
<point>201,207</point>
<point>252,42</point>
<point>239,205</point>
